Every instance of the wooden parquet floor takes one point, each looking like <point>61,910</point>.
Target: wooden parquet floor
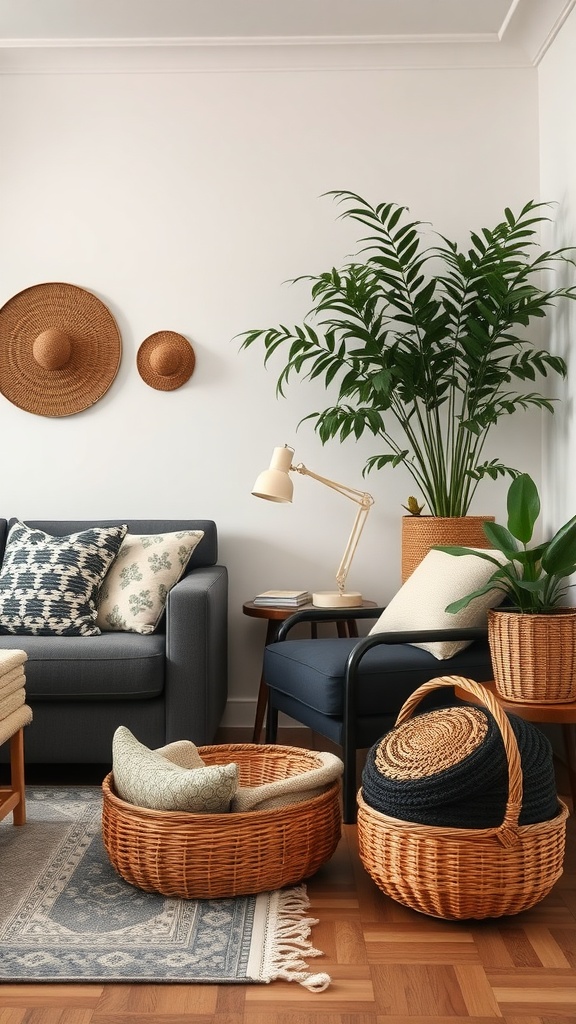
<point>389,965</point>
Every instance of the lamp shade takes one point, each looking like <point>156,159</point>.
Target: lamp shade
<point>274,483</point>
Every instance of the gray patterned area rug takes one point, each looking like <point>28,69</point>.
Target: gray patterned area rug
<point>67,916</point>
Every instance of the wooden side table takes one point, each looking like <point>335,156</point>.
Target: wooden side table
<point>552,714</point>
<point>274,618</point>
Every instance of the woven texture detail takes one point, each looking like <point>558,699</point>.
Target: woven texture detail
<point>420,533</point>
<point>534,656</point>
<point>37,373</point>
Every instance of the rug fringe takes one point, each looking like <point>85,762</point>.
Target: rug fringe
<point>290,943</point>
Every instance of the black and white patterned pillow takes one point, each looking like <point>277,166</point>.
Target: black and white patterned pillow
<point>49,585</point>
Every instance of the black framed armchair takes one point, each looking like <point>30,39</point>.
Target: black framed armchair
<point>350,690</point>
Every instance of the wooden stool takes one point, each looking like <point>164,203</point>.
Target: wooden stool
<point>13,797</point>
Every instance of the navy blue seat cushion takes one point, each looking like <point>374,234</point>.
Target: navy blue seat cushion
<point>312,672</point>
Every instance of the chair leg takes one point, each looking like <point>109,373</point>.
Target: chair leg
<point>271,723</point>
<point>349,790</point>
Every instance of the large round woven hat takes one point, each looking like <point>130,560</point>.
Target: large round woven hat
<point>165,360</point>
<point>60,349</point>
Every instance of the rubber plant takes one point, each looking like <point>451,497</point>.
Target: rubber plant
<point>534,579</point>
<point>425,346</point>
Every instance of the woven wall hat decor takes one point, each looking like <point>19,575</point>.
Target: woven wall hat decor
<point>165,360</point>
<point>60,349</point>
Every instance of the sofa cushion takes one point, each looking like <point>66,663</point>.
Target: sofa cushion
<point>49,585</point>
<point>108,667</point>
<point>133,595</point>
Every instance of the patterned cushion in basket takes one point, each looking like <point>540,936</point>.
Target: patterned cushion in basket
<point>147,778</point>
<point>448,767</point>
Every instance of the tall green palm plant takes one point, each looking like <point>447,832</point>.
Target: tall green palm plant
<point>420,343</point>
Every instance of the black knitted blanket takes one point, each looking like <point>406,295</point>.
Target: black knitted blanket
<point>472,792</point>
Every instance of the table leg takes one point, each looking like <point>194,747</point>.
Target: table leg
<point>271,634</point>
<point>569,735</point>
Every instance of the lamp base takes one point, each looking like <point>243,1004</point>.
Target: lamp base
<point>334,599</point>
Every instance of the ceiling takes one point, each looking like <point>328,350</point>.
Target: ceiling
<point>24,19</point>
<point>501,31</point>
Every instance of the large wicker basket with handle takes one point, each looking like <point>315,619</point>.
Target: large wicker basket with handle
<point>460,873</point>
<point>206,856</point>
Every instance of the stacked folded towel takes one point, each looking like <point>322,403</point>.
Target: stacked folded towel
<point>14,712</point>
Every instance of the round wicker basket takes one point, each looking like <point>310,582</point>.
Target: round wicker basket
<point>461,873</point>
<point>206,856</point>
<point>420,533</point>
<point>534,656</point>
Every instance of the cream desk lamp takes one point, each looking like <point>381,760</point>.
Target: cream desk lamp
<point>275,484</point>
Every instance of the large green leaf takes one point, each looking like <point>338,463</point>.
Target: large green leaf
<point>523,507</point>
<point>560,555</point>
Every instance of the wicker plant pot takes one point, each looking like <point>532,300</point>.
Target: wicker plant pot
<point>534,656</point>
<point>461,873</point>
<point>206,856</point>
<point>420,533</point>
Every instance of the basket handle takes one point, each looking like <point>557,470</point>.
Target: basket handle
<point>508,830</point>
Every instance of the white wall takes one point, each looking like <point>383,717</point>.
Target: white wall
<point>184,201</point>
<point>557,87</point>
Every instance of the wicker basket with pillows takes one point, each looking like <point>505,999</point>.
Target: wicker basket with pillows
<point>222,820</point>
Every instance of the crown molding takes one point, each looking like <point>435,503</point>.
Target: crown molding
<point>528,31</point>
<point>532,26</point>
<point>105,56</point>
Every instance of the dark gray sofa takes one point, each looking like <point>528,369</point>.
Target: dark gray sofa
<point>168,685</point>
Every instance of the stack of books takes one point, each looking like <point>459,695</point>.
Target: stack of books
<point>283,598</point>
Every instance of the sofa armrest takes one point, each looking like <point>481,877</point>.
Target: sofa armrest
<point>196,681</point>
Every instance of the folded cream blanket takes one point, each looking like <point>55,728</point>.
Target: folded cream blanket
<point>11,659</point>
<point>291,790</point>
<point>13,680</point>
<point>269,795</point>
<point>11,724</point>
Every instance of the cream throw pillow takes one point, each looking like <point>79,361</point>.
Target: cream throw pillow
<point>438,580</point>
<point>147,778</point>
<point>133,595</point>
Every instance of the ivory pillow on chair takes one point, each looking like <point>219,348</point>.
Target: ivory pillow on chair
<point>133,596</point>
<point>439,580</point>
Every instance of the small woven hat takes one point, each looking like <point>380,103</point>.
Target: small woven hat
<point>165,360</point>
<point>60,349</point>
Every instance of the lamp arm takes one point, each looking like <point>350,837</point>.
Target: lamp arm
<point>350,549</point>
<point>361,498</point>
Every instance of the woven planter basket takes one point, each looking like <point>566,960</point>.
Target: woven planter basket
<point>420,533</point>
<point>534,656</point>
<point>460,873</point>
<point>206,856</point>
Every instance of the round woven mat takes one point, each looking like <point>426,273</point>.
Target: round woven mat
<point>60,349</point>
<point>431,743</point>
